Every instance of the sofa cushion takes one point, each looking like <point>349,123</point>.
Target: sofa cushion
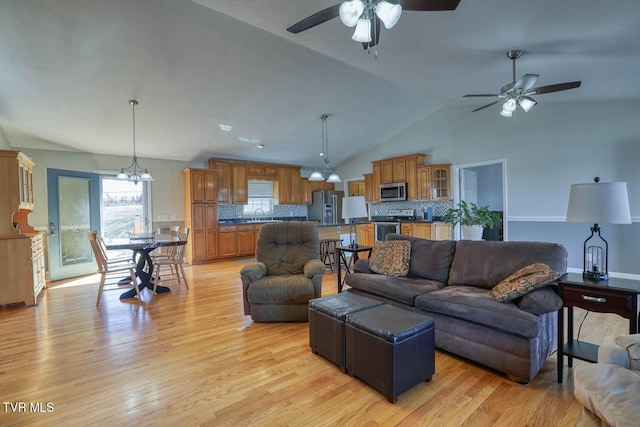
<point>478,306</point>
<point>543,300</point>
<point>401,289</point>
<point>430,259</point>
<point>523,281</point>
<point>390,258</point>
<point>485,264</point>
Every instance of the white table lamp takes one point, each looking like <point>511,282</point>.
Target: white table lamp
<point>353,207</point>
<point>598,203</point>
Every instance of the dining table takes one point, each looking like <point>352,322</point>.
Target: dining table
<point>142,246</point>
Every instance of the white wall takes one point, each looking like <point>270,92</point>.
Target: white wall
<point>546,150</point>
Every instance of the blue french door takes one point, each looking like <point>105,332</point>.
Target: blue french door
<point>74,210</point>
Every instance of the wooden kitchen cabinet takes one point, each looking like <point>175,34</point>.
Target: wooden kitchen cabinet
<point>376,182</point>
<point>406,228</point>
<point>356,188</point>
<point>441,231</point>
<point>368,188</point>
<point>422,230</point>
<point>239,184</point>
<point>22,271</point>
<point>365,234</point>
<point>424,182</point>
<point>285,191</point>
<point>386,172</point>
<point>223,177</point>
<point>201,214</point>
<point>228,241</point>
<point>246,240</point>
<point>440,182</point>
<point>398,169</point>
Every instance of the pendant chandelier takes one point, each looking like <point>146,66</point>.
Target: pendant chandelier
<point>134,172</point>
<point>316,175</point>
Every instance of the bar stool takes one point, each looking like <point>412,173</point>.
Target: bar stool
<point>327,251</point>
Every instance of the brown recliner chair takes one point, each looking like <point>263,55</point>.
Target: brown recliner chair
<point>287,274</point>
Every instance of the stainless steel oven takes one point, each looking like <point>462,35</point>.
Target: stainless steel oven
<point>382,228</point>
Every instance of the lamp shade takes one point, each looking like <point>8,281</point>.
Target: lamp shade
<point>599,203</point>
<point>354,207</point>
<point>316,176</point>
<point>334,177</point>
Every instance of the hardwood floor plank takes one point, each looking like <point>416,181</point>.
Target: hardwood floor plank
<point>187,358</point>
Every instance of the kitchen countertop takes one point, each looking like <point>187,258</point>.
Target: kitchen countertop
<point>340,224</point>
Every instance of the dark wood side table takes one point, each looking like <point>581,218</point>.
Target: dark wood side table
<point>619,296</point>
<point>341,258</point>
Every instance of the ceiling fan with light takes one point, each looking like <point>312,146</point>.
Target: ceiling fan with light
<point>366,16</point>
<point>518,92</point>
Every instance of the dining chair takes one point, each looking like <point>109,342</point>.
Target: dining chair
<point>166,251</point>
<point>174,261</point>
<point>107,266</point>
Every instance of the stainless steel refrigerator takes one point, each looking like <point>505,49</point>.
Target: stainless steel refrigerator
<point>326,207</point>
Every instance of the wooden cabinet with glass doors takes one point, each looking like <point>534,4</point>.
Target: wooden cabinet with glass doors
<point>21,246</point>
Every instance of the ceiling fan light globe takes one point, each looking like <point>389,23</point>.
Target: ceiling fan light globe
<point>362,33</point>
<point>350,11</point>
<point>526,103</point>
<point>509,105</point>
<point>388,13</point>
<point>505,113</point>
<point>334,178</point>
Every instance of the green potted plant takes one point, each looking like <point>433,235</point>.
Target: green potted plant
<point>472,219</point>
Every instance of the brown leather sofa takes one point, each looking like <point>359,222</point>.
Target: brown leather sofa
<point>452,281</point>
<point>287,274</point>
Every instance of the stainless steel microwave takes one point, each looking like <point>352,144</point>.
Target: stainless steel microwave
<point>393,192</point>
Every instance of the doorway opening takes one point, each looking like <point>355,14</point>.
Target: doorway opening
<point>485,184</point>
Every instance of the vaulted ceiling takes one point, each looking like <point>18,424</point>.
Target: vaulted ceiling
<point>69,67</point>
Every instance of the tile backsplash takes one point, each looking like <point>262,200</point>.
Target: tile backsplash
<point>376,209</point>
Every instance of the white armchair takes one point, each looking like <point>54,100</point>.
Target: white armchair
<point>609,390</point>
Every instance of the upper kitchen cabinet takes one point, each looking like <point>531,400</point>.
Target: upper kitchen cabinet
<point>308,187</point>
<point>262,171</point>
<point>239,184</point>
<point>434,182</point>
<point>232,181</point>
<point>356,188</point>
<point>398,169</point>
<point>440,182</point>
<point>368,188</point>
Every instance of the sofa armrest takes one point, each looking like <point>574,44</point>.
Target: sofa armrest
<point>313,267</point>
<point>540,301</point>
<point>362,266</point>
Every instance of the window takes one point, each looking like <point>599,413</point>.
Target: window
<point>125,207</point>
<point>260,197</point>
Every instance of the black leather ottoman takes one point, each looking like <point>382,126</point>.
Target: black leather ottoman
<point>390,349</point>
<point>326,323</point>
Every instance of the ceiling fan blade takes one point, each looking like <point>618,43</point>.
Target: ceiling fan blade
<point>428,5</point>
<point>480,94</point>
<point>526,82</point>
<point>375,34</point>
<point>485,106</point>
<point>554,88</point>
<point>315,19</point>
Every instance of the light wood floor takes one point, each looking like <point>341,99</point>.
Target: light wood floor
<point>185,358</point>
